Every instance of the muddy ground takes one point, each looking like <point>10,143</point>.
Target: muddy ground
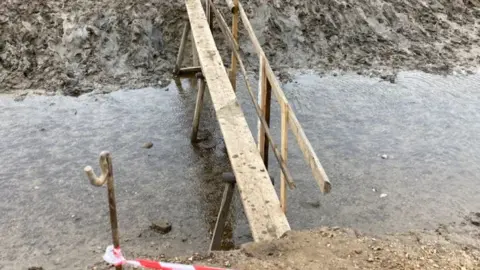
<point>336,248</point>
<point>76,46</point>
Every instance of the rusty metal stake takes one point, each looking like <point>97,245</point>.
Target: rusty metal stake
<point>107,177</point>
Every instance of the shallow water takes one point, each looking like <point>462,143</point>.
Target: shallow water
<point>427,125</point>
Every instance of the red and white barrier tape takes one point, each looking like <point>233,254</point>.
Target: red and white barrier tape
<point>114,256</point>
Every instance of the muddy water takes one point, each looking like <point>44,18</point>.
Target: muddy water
<point>426,125</point>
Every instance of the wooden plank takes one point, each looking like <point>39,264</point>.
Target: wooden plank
<point>260,201</point>
<point>307,149</point>
<point>233,71</point>
<point>308,153</point>
<point>258,48</point>
<point>284,149</point>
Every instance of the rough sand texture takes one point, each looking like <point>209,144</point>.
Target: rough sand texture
<point>335,248</point>
<point>78,46</point>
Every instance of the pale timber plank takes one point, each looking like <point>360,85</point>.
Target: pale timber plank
<point>261,204</point>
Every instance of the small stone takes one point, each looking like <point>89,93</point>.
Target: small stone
<point>227,264</point>
<point>190,259</point>
<point>384,156</point>
<point>383,195</point>
<point>358,251</point>
<point>148,145</point>
<point>161,226</point>
<point>36,187</point>
<point>370,259</point>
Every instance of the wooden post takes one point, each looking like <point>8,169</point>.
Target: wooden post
<point>198,106</point>
<point>266,97</point>
<point>233,71</point>
<point>107,177</point>
<point>284,150</point>
<point>181,51</point>
<point>216,242</point>
<point>208,12</point>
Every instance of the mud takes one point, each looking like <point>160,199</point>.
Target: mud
<point>335,248</point>
<point>426,125</point>
<point>74,47</point>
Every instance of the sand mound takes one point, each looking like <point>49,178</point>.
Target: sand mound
<point>434,36</point>
<point>78,46</point>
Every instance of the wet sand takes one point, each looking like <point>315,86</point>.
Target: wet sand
<point>426,125</point>
<point>77,46</point>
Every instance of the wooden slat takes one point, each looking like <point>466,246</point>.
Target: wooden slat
<point>189,70</point>
<point>307,149</point>
<point>260,201</point>
<point>181,51</point>
<point>309,154</point>
<point>233,71</point>
<point>266,93</point>
<point>261,80</point>
<point>284,149</point>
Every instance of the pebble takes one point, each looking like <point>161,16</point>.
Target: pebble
<point>147,145</point>
<point>384,156</point>
<point>383,195</point>
<point>161,226</point>
<point>370,259</point>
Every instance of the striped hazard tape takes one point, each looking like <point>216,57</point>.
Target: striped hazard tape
<point>114,256</point>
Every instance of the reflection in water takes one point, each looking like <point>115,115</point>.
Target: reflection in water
<point>211,151</point>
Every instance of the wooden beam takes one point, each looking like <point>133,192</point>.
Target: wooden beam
<point>308,153</point>
<point>284,149</point>
<point>216,242</point>
<point>189,70</point>
<point>198,107</point>
<point>181,50</point>
<point>307,149</point>
<point>260,201</point>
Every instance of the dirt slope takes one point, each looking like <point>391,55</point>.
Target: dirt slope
<point>75,46</point>
<point>335,248</point>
